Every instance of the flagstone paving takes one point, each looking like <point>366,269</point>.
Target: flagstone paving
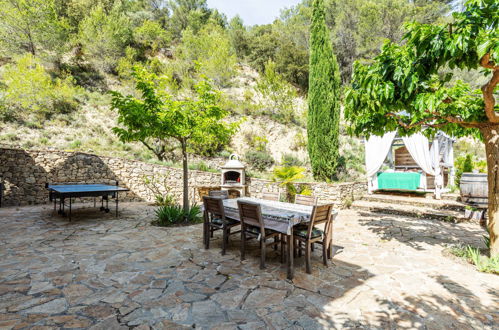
<point>99,272</point>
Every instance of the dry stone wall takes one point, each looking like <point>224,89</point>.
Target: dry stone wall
<point>25,172</point>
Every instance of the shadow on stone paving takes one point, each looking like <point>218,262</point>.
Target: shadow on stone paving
<point>145,278</point>
<point>416,232</point>
<point>461,309</point>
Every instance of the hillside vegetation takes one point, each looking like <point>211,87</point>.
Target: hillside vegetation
<point>60,58</point>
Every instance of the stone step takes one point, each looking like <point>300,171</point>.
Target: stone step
<point>413,211</point>
<point>451,197</point>
<point>443,204</point>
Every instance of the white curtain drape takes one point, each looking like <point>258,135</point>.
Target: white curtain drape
<point>419,148</point>
<point>377,148</point>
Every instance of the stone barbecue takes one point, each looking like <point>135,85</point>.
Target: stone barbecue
<point>233,177</point>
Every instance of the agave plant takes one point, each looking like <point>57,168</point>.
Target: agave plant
<point>175,214</point>
<point>287,176</point>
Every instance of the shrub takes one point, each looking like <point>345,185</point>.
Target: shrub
<point>256,142</point>
<point>209,53</point>
<point>277,96</point>
<point>202,166</point>
<point>291,160</point>
<point>463,164</point>
<point>164,200</point>
<point>29,89</point>
<point>168,215</point>
<point>259,160</point>
<point>299,142</point>
<point>151,35</point>
<point>104,36</point>
<point>474,256</point>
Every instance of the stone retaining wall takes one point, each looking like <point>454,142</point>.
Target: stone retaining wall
<point>25,172</point>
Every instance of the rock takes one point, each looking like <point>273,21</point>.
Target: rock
<point>75,292</point>
<point>52,307</point>
<point>230,299</point>
<point>264,297</point>
<point>147,295</point>
<point>207,313</point>
<point>110,323</point>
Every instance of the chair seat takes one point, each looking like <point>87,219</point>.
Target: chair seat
<point>302,231</point>
<point>220,222</point>
<point>256,230</point>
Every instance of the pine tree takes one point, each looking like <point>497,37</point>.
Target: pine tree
<point>323,99</point>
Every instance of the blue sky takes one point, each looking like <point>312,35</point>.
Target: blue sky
<point>252,11</point>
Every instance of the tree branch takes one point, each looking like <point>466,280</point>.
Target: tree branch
<point>487,63</point>
<point>409,126</point>
<point>427,121</point>
<point>488,89</point>
<point>158,154</point>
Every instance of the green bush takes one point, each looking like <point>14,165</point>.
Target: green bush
<point>463,164</point>
<point>207,53</point>
<point>277,95</point>
<point>164,200</point>
<point>151,35</point>
<point>474,256</point>
<point>169,215</point>
<point>291,160</point>
<point>29,89</point>
<point>202,166</point>
<point>299,142</point>
<point>104,36</point>
<point>259,160</point>
<point>256,142</point>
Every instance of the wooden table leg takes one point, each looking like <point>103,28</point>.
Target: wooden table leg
<point>290,261</point>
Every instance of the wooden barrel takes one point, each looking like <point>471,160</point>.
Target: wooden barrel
<point>474,189</point>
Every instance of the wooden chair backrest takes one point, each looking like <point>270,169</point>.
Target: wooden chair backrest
<point>219,193</point>
<point>320,214</point>
<point>271,196</point>
<point>305,200</point>
<point>250,214</point>
<point>214,206</point>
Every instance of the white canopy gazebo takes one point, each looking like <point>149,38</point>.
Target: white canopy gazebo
<point>413,155</point>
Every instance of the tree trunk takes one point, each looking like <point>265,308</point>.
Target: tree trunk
<point>491,138</point>
<point>185,174</point>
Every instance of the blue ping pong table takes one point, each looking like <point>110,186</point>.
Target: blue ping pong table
<point>62,192</point>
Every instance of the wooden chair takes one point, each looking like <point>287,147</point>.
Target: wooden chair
<point>271,196</point>
<point>219,193</point>
<point>305,200</point>
<point>252,226</point>
<point>309,234</point>
<point>214,219</point>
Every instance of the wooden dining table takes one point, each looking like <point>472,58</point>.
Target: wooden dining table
<point>278,216</point>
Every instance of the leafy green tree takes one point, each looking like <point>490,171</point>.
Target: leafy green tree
<point>151,35</point>
<point>159,115</point>
<point>104,36</point>
<point>207,53</point>
<point>193,14</point>
<point>323,99</point>
<point>277,96</point>
<point>404,88</point>
<point>31,26</point>
<point>239,37</point>
<point>287,176</point>
<point>30,90</point>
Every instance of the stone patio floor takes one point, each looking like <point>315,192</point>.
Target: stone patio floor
<point>100,272</point>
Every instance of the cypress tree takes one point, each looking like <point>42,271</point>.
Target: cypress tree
<point>323,99</point>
